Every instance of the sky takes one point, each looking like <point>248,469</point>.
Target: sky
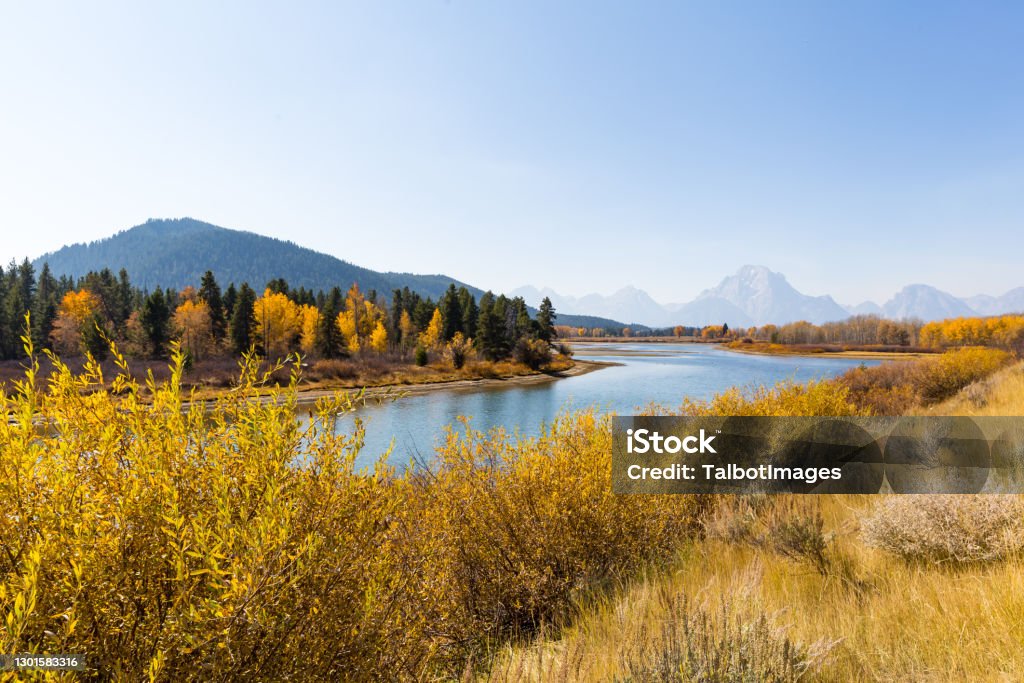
<point>584,146</point>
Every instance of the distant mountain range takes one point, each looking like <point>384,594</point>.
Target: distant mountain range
<point>176,253</point>
<point>755,295</point>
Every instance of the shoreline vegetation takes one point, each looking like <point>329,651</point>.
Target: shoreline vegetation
<point>404,380</point>
<point>169,541</point>
<point>866,351</point>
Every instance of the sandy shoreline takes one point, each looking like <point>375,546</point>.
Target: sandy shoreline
<point>311,396</point>
<point>866,355</point>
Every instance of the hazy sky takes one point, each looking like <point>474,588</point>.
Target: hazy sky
<point>854,146</point>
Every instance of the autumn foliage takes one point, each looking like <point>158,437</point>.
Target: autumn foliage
<point>1005,331</point>
<point>174,541</point>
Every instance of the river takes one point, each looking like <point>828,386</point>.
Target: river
<point>660,373</point>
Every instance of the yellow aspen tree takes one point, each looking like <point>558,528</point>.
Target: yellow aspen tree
<point>277,322</point>
<point>431,337</point>
<point>379,338</point>
<point>79,306</point>
<point>193,327</point>
<point>74,310</point>
<point>406,327</point>
<point>310,317</point>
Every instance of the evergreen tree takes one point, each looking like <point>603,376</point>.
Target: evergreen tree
<point>94,337</point>
<point>155,320</point>
<point>243,319</point>
<point>467,302</point>
<point>26,285</point>
<point>44,309</point>
<point>230,298</point>
<point>491,338</point>
<point>422,313</point>
<point>546,320</point>
<point>209,291</point>
<point>451,313</point>
<point>328,339</point>
<point>395,316</point>
<point>8,325</point>
<point>278,286</point>
<point>517,321</point>
<point>125,299</point>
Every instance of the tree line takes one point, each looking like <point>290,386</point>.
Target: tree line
<point>78,317</point>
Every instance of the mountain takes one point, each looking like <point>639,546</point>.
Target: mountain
<point>176,253</point>
<point>711,310</point>
<point>1011,302</point>
<point>753,296</point>
<point>925,302</point>
<point>766,297</point>
<point>629,304</point>
<point>865,308</point>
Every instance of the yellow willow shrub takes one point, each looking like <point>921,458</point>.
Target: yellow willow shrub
<point>894,388</point>
<point>511,529</point>
<point>168,540</point>
<point>165,541</point>
<point>950,372</point>
<point>823,397</point>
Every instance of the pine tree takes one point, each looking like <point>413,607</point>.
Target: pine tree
<point>230,298</point>
<point>490,327</point>
<point>451,313</point>
<point>155,319</point>
<point>209,291</point>
<point>243,319</point>
<point>44,309</point>
<point>546,321</point>
<point>94,335</point>
<point>467,302</point>
<point>8,326</point>
<point>328,340</point>
<point>125,299</point>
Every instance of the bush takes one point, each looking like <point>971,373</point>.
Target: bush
<point>947,528</point>
<point>333,368</point>
<point>421,355</point>
<point>727,645</point>
<point>512,529</point>
<point>458,350</point>
<point>786,398</point>
<point>532,352</point>
<point>178,541</point>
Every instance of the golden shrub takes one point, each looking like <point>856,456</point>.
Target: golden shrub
<point>166,539</point>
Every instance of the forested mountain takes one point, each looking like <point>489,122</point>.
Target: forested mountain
<point>176,252</point>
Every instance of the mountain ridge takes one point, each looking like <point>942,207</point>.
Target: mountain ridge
<point>755,295</point>
<point>176,252</point>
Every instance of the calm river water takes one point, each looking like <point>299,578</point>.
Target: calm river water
<point>659,373</point>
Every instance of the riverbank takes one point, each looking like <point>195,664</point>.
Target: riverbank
<point>308,394</point>
<point>873,352</point>
<point>641,340</point>
<point>814,584</point>
<point>578,367</point>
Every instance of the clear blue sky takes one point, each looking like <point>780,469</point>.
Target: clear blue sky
<point>856,147</point>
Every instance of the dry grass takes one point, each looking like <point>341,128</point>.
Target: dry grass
<point>848,610</point>
<point>950,529</point>
<point>912,622</point>
<point>1000,394</point>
